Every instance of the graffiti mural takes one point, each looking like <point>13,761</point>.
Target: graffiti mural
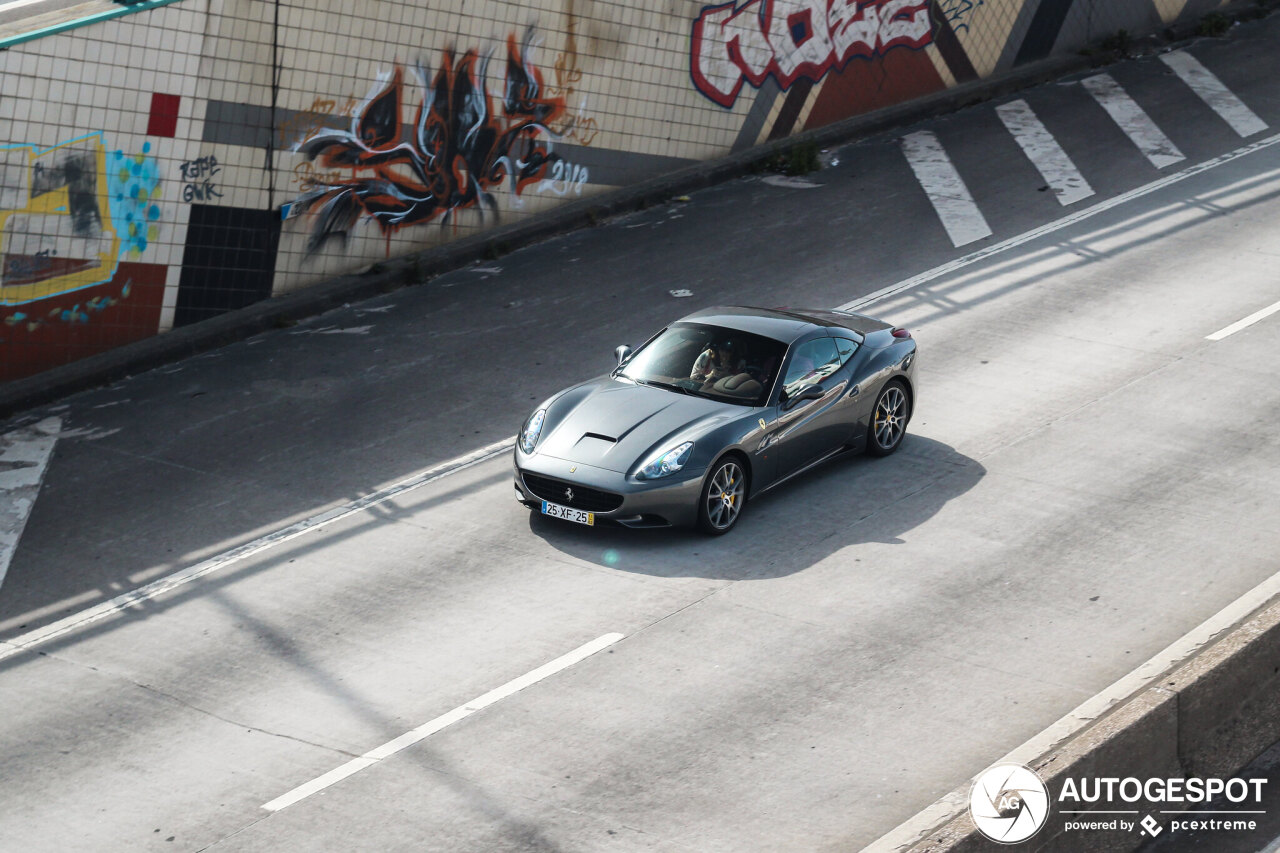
<point>68,213</point>
<point>462,145</point>
<point>793,39</point>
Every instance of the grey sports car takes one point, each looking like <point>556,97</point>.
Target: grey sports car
<point>712,411</point>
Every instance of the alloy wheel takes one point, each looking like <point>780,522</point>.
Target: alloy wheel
<point>890,417</point>
<point>724,496</point>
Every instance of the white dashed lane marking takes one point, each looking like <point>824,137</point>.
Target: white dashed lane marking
<point>1133,120</point>
<point>1212,91</point>
<point>429,728</point>
<point>945,188</point>
<point>1245,323</point>
<point>1044,152</point>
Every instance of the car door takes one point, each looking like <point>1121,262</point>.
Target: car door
<point>811,429</point>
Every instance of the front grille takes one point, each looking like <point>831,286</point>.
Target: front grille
<point>584,497</point>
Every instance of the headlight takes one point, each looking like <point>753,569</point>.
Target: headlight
<point>665,463</point>
<point>532,429</point>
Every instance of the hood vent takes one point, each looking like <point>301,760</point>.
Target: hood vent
<point>607,438</point>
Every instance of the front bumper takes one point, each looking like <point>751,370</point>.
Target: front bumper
<point>655,503</point>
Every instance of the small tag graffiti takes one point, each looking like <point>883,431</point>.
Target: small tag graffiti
<point>198,177</point>
<point>956,13</point>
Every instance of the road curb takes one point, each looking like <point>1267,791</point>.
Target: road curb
<point>1208,717</point>
<point>419,268</point>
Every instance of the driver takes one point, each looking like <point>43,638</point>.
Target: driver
<point>717,362</point>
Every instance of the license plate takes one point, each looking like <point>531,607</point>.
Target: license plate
<point>568,513</point>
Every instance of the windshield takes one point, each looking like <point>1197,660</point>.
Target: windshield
<point>708,361</point>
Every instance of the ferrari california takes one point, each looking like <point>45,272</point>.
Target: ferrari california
<point>714,410</point>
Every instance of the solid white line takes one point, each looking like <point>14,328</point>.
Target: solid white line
<point>1133,120</point>
<point>945,188</point>
<point>168,583</point>
<point>1243,324</point>
<point>1213,92</point>
<point>1044,152</point>
<point>427,729</point>
<point>24,456</point>
<point>1056,225</point>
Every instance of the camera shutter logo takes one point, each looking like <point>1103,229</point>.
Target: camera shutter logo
<point>1009,803</point>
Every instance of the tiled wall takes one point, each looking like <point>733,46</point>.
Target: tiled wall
<point>151,174</point>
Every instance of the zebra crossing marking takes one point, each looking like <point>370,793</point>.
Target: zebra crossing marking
<point>1133,120</point>
<point>24,455</point>
<point>1213,92</point>
<point>1044,152</point>
<point>945,188</point>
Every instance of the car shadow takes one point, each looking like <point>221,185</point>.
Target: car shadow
<point>849,501</point>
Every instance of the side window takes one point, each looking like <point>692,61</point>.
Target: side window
<point>812,362</point>
<point>846,349</point>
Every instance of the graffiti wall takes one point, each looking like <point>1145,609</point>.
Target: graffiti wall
<point>462,145</point>
<point>75,220</point>
<point>176,163</point>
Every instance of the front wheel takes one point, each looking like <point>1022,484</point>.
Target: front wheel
<point>724,494</point>
<point>889,419</point>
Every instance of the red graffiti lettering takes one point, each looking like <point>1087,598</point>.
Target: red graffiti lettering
<point>790,39</point>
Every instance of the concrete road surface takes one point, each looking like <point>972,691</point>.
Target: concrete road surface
<point>1086,478</point>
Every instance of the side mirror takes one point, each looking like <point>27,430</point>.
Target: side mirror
<point>622,353</point>
<point>808,392</point>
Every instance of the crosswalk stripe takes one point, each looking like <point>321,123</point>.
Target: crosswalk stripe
<point>1213,92</point>
<point>1044,152</point>
<point>945,188</point>
<point>1133,120</point>
<point>24,455</point>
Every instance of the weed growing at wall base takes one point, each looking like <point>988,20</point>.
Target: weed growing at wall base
<point>1213,25</point>
<point>798,159</point>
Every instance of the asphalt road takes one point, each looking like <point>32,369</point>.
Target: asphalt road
<point>1086,478</point>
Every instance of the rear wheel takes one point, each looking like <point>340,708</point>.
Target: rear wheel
<point>724,494</point>
<point>889,419</point>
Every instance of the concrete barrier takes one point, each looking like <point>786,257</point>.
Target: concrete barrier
<point>1208,717</point>
<point>1229,698</point>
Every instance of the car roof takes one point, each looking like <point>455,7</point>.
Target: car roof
<point>781,324</point>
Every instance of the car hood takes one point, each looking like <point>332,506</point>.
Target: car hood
<point>613,423</point>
